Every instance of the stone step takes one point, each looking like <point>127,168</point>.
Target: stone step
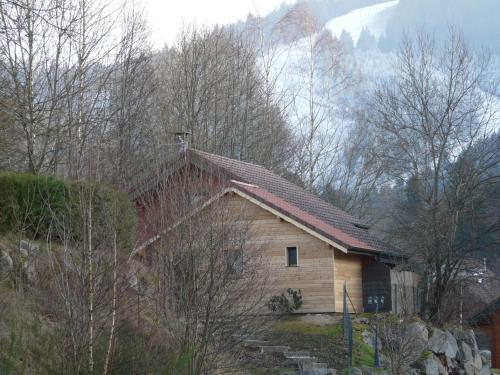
<point>318,371</point>
<point>304,362</point>
<point>298,353</point>
<point>274,349</point>
<point>319,365</point>
<point>248,337</point>
<point>255,342</point>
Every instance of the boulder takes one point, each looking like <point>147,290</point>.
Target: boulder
<point>6,264</point>
<point>467,336</point>
<point>28,248</point>
<point>469,369</point>
<point>431,366</point>
<point>466,352</point>
<point>477,362</point>
<point>485,357</point>
<point>29,272</point>
<point>419,330</point>
<point>486,370</point>
<point>443,342</point>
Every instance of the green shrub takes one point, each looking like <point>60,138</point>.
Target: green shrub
<point>286,304</point>
<point>25,199</point>
<point>41,206</point>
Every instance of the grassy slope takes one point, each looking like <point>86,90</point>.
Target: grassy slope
<point>323,341</point>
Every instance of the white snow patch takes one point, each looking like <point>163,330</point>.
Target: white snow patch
<point>373,17</point>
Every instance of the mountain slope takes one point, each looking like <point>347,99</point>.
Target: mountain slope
<point>373,18</point>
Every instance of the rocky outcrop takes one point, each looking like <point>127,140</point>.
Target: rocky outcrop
<point>443,342</point>
<point>454,352</point>
<point>28,248</point>
<point>21,256</point>
<point>419,330</point>
<point>446,352</point>
<point>6,264</point>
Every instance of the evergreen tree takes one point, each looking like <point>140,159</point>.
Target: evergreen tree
<point>366,40</point>
<point>347,41</point>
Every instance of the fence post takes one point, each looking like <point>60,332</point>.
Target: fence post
<point>347,326</point>
<point>396,311</point>
<point>376,355</point>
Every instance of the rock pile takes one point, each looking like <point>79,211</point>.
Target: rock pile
<point>447,352</point>
<point>455,352</point>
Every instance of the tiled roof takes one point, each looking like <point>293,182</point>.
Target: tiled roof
<point>319,213</point>
<point>296,213</point>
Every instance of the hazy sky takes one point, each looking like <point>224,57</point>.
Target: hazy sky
<point>167,16</point>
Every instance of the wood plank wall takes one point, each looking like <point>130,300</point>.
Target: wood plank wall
<point>348,269</point>
<point>319,275</point>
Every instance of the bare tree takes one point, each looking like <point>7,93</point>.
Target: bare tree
<point>318,71</point>
<point>129,134</point>
<point>31,61</point>
<point>60,63</point>
<point>86,277</point>
<point>402,343</point>
<point>356,173</point>
<point>211,86</point>
<point>433,122</point>
<point>210,278</point>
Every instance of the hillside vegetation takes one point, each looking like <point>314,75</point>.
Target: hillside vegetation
<point>46,227</point>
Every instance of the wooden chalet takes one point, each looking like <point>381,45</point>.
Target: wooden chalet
<point>311,245</point>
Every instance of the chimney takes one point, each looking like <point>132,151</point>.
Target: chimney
<point>181,141</point>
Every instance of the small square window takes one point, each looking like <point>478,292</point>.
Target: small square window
<point>292,256</point>
<point>235,260</point>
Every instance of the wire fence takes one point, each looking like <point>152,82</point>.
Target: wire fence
<point>404,300</point>
<point>347,325</point>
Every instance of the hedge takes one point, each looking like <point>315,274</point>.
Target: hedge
<point>41,206</point>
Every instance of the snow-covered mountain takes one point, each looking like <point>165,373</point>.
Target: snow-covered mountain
<point>388,20</point>
<point>373,18</point>
<point>372,31</point>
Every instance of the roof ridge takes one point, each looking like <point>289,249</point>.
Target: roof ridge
<point>354,220</point>
<point>231,159</point>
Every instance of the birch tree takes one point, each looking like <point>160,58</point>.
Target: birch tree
<point>32,62</point>
<point>318,72</point>
<point>207,278</point>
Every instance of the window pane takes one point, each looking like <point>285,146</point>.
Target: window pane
<point>235,261</point>
<point>238,261</point>
<point>291,256</point>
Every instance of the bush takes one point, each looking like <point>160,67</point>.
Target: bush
<point>41,206</point>
<point>286,304</point>
<point>24,202</point>
<point>401,344</point>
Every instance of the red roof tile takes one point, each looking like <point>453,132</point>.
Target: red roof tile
<point>296,213</point>
<point>296,198</point>
<point>283,195</point>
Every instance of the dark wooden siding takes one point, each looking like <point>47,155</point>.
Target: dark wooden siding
<point>376,286</point>
<point>495,349</point>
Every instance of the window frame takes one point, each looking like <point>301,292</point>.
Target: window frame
<point>287,263</point>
